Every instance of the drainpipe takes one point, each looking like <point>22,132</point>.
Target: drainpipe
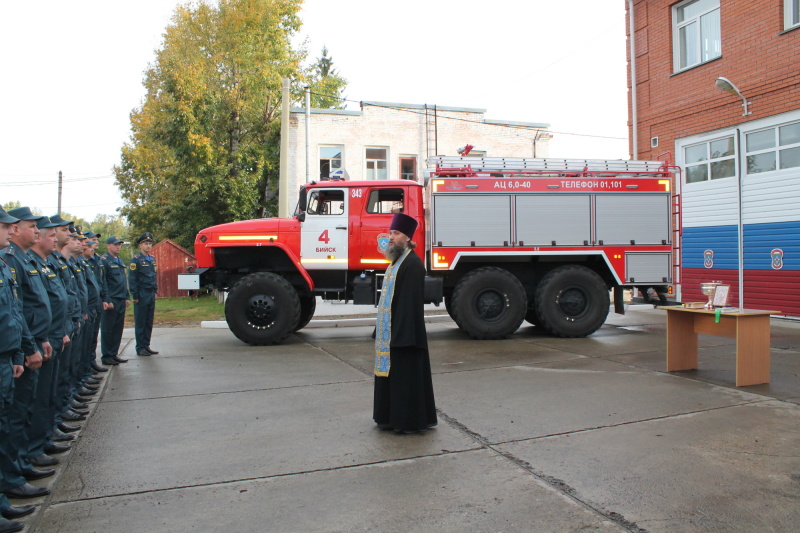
<point>740,229</point>
<point>634,114</point>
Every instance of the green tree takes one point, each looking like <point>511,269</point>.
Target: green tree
<point>77,221</point>
<point>107,226</point>
<point>13,204</point>
<point>204,147</point>
<point>326,84</point>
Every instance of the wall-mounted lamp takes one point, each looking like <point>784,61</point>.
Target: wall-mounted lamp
<point>724,84</point>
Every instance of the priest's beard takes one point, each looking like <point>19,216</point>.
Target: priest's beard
<point>395,251</point>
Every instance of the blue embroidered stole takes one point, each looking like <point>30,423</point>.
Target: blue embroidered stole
<point>383,329</point>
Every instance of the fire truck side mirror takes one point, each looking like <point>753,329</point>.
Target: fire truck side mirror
<point>301,216</point>
<point>302,200</point>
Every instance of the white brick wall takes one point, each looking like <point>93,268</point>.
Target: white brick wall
<point>403,132</point>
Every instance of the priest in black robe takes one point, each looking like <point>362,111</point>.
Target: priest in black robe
<point>403,386</point>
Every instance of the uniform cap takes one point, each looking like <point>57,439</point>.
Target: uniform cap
<point>146,236</point>
<point>24,213</point>
<point>75,231</point>
<point>114,240</point>
<point>404,224</point>
<point>5,218</point>
<point>91,235</point>
<point>56,219</point>
<point>45,223</point>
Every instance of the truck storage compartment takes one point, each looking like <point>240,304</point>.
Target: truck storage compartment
<point>542,219</point>
<point>641,218</point>
<point>481,218</point>
<point>648,267</point>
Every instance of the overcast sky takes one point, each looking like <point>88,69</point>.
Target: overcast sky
<point>73,72</point>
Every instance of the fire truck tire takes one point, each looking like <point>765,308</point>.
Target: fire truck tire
<point>572,301</point>
<point>448,305</point>
<point>308,305</point>
<point>489,303</point>
<point>263,308</point>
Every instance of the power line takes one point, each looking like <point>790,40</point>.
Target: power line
<point>54,181</point>
<point>75,180</point>
<point>509,126</point>
<point>73,206</point>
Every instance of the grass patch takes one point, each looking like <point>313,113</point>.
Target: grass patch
<point>183,311</point>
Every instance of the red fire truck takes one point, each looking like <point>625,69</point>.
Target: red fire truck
<point>503,240</point>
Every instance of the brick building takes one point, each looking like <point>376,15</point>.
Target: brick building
<point>718,92</point>
<point>393,141</point>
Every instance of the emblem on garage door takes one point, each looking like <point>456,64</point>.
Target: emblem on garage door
<point>708,258</point>
<point>777,258</point>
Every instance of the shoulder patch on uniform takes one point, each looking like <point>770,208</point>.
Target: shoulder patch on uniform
<point>133,266</point>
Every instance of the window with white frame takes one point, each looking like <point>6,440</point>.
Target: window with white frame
<point>696,33</point>
<point>773,148</point>
<point>376,164</point>
<point>791,13</point>
<point>330,161</point>
<point>710,160</point>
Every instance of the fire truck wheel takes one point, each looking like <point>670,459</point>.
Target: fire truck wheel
<point>572,301</point>
<point>448,305</point>
<point>308,305</point>
<point>489,303</point>
<point>263,308</point>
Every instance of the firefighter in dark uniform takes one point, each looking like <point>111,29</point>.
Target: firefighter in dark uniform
<point>58,264</point>
<point>95,295</point>
<point>113,321</point>
<point>37,314</point>
<point>143,284</point>
<point>93,258</point>
<point>65,250</point>
<point>11,367</point>
<point>79,340</point>
<point>42,430</point>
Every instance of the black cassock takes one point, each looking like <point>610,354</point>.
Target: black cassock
<point>404,400</point>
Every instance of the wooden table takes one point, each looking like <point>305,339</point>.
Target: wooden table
<point>750,328</point>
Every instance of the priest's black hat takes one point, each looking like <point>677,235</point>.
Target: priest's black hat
<point>404,224</point>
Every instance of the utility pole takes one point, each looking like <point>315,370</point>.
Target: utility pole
<point>283,182</point>
<point>308,134</point>
<point>60,184</point>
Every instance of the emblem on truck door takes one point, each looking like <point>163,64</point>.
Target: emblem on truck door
<point>383,242</point>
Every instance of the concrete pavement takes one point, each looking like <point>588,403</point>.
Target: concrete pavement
<point>535,434</point>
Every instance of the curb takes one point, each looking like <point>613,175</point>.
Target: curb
<point>332,322</point>
<point>338,322</point>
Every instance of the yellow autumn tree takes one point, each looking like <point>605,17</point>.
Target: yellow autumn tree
<point>204,144</point>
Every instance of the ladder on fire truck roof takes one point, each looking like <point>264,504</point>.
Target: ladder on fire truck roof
<point>523,165</point>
